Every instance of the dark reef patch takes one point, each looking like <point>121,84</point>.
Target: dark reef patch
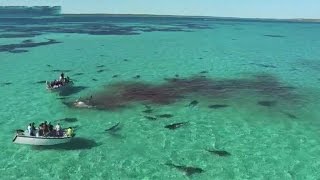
<point>20,35</point>
<point>162,29</point>
<point>97,25</point>
<point>274,35</point>
<point>194,26</point>
<point>121,94</point>
<point>16,47</point>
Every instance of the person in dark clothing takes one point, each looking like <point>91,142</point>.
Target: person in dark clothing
<point>53,83</point>
<point>50,127</point>
<point>61,77</point>
<point>45,128</point>
<point>33,129</point>
<point>40,129</point>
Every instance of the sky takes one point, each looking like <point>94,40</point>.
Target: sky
<point>280,9</point>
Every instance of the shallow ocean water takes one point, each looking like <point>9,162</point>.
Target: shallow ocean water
<point>250,61</point>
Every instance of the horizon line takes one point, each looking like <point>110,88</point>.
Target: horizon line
<point>317,19</point>
<point>177,15</point>
<point>197,16</point>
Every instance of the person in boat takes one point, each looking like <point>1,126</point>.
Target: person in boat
<point>40,130</point>
<point>50,126</point>
<point>69,132</point>
<point>53,83</point>
<point>33,129</point>
<point>45,128</point>
<point>61,77</point>
<point>50,129</point>
<point>29,129</point>
<point>58,129</point>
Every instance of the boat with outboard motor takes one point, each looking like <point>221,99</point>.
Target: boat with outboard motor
<point>61,84</point>
<point>24,138</point>
<point>58,86</point>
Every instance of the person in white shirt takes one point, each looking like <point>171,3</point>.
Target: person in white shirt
<point>58,129</point>
<point>30,129</point>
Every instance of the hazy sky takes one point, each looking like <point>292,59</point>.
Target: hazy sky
<point>226,8</point>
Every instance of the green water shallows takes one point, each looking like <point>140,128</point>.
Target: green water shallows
<point>278,142</point>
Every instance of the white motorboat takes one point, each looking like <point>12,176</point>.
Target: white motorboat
<point>59,87</point>
<point>21,138</point>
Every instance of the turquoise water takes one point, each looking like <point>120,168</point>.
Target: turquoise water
<point>250,62</point>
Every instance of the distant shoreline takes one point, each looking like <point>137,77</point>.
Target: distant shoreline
<point>41,11</point>
<point>294,20</point>
<point>186,16</point>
